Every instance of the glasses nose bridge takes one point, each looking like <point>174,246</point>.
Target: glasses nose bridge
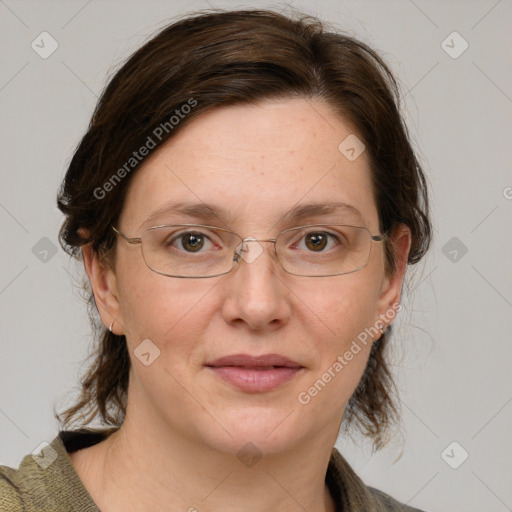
<point>242,248</point>
<point>252,239</point>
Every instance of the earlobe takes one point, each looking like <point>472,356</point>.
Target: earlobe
<point>104,287</point>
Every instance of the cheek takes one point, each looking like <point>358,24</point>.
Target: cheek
<point>342,347</point>
<point>164,310</point>
<point>340,307</point>
<point>336,316</point>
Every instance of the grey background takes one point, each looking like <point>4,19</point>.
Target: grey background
<point>453,350</point>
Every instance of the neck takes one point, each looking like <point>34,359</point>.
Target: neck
<point>140,468</point>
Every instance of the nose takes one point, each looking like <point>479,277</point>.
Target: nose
<point>255,293</point>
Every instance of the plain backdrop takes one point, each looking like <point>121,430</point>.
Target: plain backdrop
<point>453,343</point>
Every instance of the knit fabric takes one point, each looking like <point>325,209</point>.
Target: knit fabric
<point>49,482</point>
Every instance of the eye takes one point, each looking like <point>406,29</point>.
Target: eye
<point>191,241</point>
<point>318,241</point>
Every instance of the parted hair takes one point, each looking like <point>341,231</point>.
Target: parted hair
<point>219,58</point>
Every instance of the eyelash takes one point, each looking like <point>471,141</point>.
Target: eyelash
<point>180,237</point>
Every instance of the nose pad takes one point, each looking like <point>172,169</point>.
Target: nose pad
<point>249,252</point>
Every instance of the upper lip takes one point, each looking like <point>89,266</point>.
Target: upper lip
<point>247,361</point>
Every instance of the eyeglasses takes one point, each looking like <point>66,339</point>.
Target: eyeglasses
<point>197,251</point>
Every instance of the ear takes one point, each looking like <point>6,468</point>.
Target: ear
<point>104,286</point>
<point>391,289</point>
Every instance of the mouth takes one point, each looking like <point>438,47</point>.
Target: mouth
<point>255,374</point>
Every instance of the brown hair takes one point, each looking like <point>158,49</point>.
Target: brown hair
<point>213,59</point>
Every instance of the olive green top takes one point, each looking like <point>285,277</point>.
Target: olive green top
<point>48,482</point>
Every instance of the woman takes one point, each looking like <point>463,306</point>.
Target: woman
<point>245,201</point>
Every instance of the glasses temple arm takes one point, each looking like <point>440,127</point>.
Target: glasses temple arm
<point>127,238</point>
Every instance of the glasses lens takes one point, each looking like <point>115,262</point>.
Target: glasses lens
<point>323,250</point>
<point>189,250</point>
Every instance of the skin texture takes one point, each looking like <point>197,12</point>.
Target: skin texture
<point>178,446</point>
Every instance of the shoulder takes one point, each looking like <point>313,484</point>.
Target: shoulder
<point>38,482</point>
<point>46,481</point>
<point>350,493</point>
<point>25,488</point>
<point>10,494</point>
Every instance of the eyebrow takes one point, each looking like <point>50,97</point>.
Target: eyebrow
<point>206,212</point>
<point>200,211</point>
<point>315,209</point>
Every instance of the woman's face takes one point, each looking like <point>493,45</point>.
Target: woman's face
<point>252,165</point>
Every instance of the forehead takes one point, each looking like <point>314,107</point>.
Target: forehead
<point>256,163</point>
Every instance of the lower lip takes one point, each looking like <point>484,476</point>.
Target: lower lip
<point>255,381</point>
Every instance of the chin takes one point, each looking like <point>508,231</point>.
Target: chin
<point>263,429</point>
